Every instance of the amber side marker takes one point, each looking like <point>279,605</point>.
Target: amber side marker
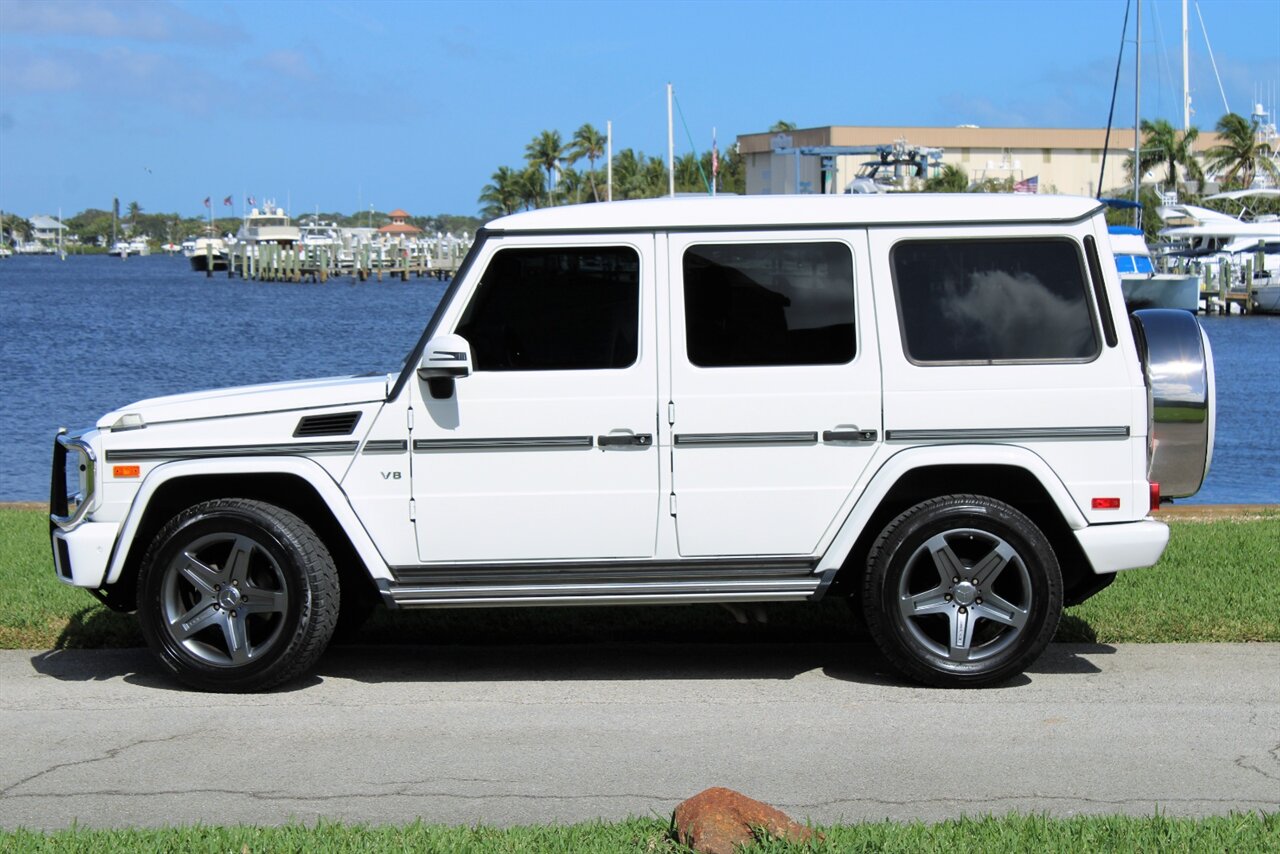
<point>126,471</point>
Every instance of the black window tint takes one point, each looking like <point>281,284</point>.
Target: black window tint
<point>993,300</point>
<point>768,304</point>
<point>555,310</point>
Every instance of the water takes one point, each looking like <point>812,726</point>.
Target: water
<point>89,334</point>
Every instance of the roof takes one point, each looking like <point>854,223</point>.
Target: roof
<point>399,228</point>
<point>960,137</point>
<point>812,210</point>
<point>41,222</point>
<point>398,212</point>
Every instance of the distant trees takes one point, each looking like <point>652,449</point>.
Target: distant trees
<point>950,179</point>
<point>635,175</point>
<point>781,126</point>
<point>1162,144</point>
<point>546,151</point>
<point>1240,155</point>
<point>588,142</point>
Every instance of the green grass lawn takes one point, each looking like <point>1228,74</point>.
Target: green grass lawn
<point>1237,833</point>
<point>1216,582</point>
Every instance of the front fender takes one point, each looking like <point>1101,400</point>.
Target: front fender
<point>911,459</point>
<point>301,467</point>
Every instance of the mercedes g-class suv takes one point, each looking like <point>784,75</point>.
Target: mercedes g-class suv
<point>933,406</point>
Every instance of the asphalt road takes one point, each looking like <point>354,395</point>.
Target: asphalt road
<point>507,735</point>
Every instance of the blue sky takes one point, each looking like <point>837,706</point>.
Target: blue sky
<point>342,105</point>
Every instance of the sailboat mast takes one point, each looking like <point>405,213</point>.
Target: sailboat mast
<point>1186,84</point>
<point>1137,98</point>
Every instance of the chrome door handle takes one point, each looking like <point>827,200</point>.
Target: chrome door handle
<point>642,440</point>
<point>854,435</point>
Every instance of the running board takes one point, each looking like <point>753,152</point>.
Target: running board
<point>638,583</point>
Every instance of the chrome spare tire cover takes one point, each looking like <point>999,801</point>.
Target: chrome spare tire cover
<point>1178,364</point>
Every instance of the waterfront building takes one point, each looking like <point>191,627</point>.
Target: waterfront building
<point>45,230</point>
<point>399,225</point>
<point>1063,160</point>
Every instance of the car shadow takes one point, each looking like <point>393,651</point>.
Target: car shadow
<point>568,644</point>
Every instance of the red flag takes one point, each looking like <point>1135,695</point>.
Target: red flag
<point>227,201</point>
<point>206,201</point>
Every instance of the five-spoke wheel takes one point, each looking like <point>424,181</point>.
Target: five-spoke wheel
<point>237,595</point>
<point>962,590</point>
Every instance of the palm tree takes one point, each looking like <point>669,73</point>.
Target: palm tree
<point>529,187</point>
<point>134,210</point>
<point>1162,144</point>
<point>781,126</point>
<point>502,197</point>
<point>546,151</point>
<point>589,143</point>
<point>1240,153</point>
<point>951,179</point>
<point>689,174</point>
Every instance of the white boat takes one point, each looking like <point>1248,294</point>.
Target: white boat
<point>1141,284</point>
<point>268,225</point>
<point>1210,239</point>
<point>207,253</point>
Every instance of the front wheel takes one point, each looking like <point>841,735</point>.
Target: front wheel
<point>962,591</point>
<point>237,595</point>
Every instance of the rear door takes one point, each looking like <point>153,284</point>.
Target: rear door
<point>775,387</point>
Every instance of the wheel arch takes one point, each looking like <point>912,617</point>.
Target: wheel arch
<point>295,484</point>
<point>1013,475</point>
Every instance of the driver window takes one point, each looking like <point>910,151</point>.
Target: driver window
<point>555,309</point>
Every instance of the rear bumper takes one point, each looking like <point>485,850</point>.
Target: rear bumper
<point>1125,545</point>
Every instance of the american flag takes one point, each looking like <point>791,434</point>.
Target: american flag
<point>227,201</point>
<point>206,201</point>
<point>251,201</point>
<point>715,157</point>
<point>1030,185</point>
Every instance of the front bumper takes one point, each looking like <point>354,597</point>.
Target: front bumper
<point>1124,545</point>
<point>81,548</point>
<point>81,556</point>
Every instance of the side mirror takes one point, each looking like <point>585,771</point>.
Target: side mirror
<point>446,356</point>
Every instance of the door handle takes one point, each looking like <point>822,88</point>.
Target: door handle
<point>852,435</point>
<point>641,440</point>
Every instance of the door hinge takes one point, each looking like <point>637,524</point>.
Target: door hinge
<point>408,417</point>
<point>671,412</point>
<point>413,510</point>
<point>673,504</point>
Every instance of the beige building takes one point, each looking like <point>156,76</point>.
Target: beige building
<point>1063,160</point>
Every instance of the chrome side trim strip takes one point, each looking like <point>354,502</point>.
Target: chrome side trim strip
<point>810,438</point>
<point>696,569</point>
<point>524,443</point>
<point>603,599</point>
<point>1006,434</point>
<point>292,449</point>
<point>386,446</point>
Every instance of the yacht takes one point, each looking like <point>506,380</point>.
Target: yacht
<point>207,254</point>
<point>1141,285</point>
<point>268,225</point>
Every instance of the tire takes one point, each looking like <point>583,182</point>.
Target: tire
<point>962,591</point>
<point>237,595</point>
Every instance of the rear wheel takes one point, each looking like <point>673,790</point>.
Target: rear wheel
<point>237,595</point>
<point>962,590</point>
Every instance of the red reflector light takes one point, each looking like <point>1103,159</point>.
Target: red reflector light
<point>126,471</point>
<point>1106,504</point>
<point>1155,497</point>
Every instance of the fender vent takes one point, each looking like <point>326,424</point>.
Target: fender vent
<point>332,424</point>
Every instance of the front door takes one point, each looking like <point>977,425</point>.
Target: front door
<point>547,450</point>
<point>775,388</point>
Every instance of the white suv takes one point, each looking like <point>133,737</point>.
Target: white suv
<point>935,406</point>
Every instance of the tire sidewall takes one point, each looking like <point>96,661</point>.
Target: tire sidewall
<point>271,536</point>
<point>948,514</point>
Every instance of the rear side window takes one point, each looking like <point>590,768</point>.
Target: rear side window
<point>1023,300</point>
<point>555,310</point>
<point>759,304</point>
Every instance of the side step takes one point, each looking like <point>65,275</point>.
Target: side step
<point>635,583</point>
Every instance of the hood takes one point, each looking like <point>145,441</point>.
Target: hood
<point>255,399</point>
